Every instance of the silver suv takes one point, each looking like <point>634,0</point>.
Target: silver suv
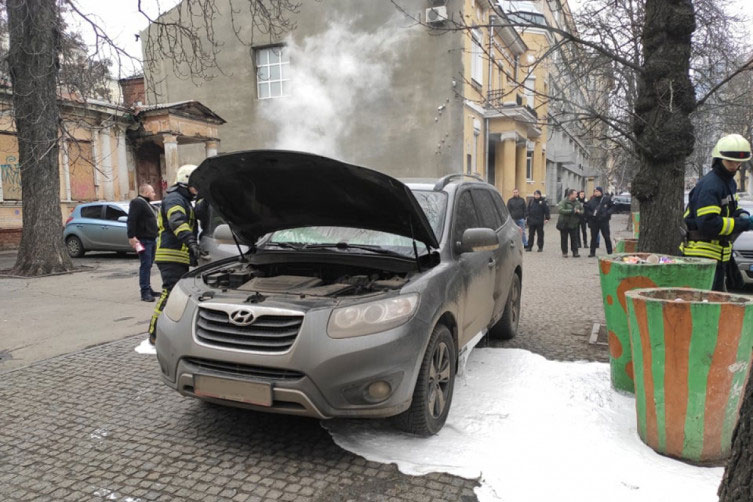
<point>358,294</point>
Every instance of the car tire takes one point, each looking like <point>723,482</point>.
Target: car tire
<point>432,395</point>
<point>507,326</point>
<point>75,247</point>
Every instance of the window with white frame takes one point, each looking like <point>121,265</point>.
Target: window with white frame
<point>272,72</point>
<point>530,85</point>
<point>477,57</point>
<point>529,165</point>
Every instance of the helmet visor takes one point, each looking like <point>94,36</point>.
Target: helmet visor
<point>736,156</point>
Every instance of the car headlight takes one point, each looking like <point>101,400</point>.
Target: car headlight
<point>372,317</point>
<point>176,304</point>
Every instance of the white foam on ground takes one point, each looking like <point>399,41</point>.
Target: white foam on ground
<point>145,347</point>
<point>537,430</point>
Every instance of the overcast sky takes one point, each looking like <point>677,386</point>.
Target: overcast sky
<point>122,21</point>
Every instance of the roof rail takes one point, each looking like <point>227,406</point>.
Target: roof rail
<point>445,180</point>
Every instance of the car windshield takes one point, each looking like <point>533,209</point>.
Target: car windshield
<point>433,203</point>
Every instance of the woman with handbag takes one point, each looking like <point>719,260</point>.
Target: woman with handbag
<point>568,222</point>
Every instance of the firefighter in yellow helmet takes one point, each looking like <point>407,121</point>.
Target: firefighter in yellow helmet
<point>712,217</point>
<point>177,247</point>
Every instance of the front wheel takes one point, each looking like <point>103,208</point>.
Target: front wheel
<point>507,327</point>
<point>433,393</point>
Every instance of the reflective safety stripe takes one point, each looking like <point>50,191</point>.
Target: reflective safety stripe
<point>182,228</point>
<point>707,250</point>
<point>728,226</point>
<point>709,210</point>
<point>687,213</point>
<point>176,207</point>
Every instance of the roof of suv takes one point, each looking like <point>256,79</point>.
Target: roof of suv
<point>440,183</point>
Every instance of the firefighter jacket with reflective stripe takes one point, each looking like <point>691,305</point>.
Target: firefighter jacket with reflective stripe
<point>177,226</point>
<point>712,216</point>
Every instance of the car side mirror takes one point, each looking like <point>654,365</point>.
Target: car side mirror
<point>479,239</point>
<point>223,233</point>
<point>123,219</point>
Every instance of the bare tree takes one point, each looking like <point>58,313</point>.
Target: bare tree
<point>45,64</point>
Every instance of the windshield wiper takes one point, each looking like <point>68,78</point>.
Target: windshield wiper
<point>345,245</point>
<point>286,245</point>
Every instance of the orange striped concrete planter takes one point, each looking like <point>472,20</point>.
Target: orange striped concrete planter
<point>691,356</point>
<point>618,277</point>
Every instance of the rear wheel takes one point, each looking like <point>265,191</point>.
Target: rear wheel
<point>75,247</point>
<point>507,327</point>
<point>433,393</point>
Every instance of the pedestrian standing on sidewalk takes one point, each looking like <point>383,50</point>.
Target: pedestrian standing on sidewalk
<point>568,222</point>
<point>177,246</point>
<point>600,208</point>
<point>538,215</point>
<point>713,217</point>
<point>583,220</point>
<point>516,205</point>
<point>142,235</point>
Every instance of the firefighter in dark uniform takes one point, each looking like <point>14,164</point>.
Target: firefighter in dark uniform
<point>712,216</point>
<point>177,247</point>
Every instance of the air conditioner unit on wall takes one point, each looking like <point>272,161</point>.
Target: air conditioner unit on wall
<point>436,15</point>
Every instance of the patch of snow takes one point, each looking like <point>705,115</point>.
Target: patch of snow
<point>536,430</point>
<point>146,348</point>
<point>99,434</point>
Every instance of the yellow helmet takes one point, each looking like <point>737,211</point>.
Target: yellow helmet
<point>184,172</point>
<point>733,147</point>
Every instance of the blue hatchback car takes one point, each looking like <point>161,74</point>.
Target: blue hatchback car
<point>97,226</point>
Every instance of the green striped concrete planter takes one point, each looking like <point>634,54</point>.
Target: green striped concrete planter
<point>691,358</point>
<point>618,277</point>
<point>636,224</point>
<point>626,246</point>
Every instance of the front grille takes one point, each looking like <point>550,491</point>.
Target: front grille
<point>245,370</point>
<point>745,254</point>
<point>267,333</point>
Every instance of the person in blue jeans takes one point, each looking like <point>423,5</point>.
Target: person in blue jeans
<point>516,205</point>
<point>142,235</point>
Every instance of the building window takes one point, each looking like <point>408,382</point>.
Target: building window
<point>272,72</point>
<point>477,58</point>
<point>529,165</point>
<point>530,85</point>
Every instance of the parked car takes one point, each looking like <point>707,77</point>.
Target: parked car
<point>357,297</point>
<point>742,249</point>
<point>97,226</point>
<point>622,203</point>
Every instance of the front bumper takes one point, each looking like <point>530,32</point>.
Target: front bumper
<point>746,268</point>
<point>317,376</point>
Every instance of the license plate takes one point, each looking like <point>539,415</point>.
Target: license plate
<point>233,390</point>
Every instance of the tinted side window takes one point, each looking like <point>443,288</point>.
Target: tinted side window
<point>486,210</point>
<point>465,216</point>
<point>91,212</point>
<point>501,208</point>
<point>113,213</point>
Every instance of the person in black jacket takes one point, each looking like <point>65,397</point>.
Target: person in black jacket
<point>600,209</point>
<point>583,220</point>
<point>142,235</point>
<point>538,214</point>
<point>516,205</point>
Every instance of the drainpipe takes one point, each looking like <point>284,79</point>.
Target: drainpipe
<point>492,19</point>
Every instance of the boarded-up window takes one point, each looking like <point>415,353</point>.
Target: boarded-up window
<point>9,167</point>
<point>81,168</point>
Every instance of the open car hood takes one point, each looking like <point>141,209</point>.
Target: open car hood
<point>261,191</point>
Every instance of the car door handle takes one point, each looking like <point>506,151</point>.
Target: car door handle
<point>491,263</point>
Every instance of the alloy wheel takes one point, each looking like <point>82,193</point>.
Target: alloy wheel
<point>439,380</point>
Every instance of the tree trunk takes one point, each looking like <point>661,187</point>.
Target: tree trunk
<point>737,484</point>
<point>662,122</point>
<point>34,29</point>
